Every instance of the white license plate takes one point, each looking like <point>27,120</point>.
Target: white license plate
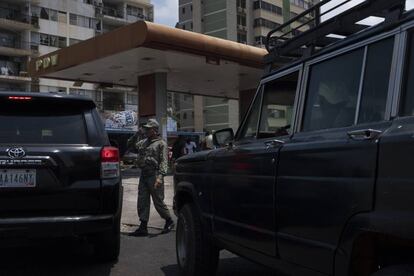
<point>17,178</point>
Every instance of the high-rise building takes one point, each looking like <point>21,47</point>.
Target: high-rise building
<point>29,28</point>
<point>244,21</point>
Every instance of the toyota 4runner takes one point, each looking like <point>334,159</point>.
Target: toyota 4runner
<point>58,174</point>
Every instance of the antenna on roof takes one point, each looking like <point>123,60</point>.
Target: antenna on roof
<point>312,30</point>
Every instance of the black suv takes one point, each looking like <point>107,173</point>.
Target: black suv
<point>319,178</point>
<point>59,176</point>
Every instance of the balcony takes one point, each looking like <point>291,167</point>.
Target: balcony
<point>112,12</point>
<point>11,72</point>
<point>16,21</point>
<point>118,18</point>
<point>14,48</point>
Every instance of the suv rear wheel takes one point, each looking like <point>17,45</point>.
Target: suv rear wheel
<point>196,254</point>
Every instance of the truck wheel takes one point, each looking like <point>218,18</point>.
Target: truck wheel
<point>107,244</point>
<point>196,255</point>
<point>400,270</point>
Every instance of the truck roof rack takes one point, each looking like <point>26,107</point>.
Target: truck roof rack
<point>311,33</point>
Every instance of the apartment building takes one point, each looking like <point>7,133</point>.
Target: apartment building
<point>244,21</point>
<point>16,25</point>
<point>29,28</point>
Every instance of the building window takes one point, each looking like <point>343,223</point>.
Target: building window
<point>53,41</point>
<point>44,39</point>
<point>62,17</point>
<point>241,20</point>
<point>241,4</point>
<point>267,7</point>
<point>183,9</point>
<point>10,66</point>
<point>8,40</point>
<point>132,98</point>
<point>83,21</point>
<point>53,15</point>
<point>261,22</point>
<point>135,11</point>
<point>301,3</point>
<point>260,40</point>
<point>242,38</point>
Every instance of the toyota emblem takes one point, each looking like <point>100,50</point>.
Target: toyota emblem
<point>16,152</point>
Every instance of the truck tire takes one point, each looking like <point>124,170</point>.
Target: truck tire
<point>400,270</point>
<point>196,255</point>
<point>107,244</point>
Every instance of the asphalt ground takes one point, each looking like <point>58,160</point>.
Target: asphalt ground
<point>153,255</point>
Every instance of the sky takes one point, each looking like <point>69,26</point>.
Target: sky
<point>166,11</point>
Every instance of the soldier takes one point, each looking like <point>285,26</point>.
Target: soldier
<point>153,162</point>
<point>134,139</point>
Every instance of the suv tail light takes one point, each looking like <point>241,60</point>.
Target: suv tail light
<point>20,98</point>
<point>110,162</point>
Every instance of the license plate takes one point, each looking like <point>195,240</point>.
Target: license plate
<point>17,178</point>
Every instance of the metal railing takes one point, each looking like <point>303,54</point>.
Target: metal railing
<point>286,38</point>
<point>113,12</point>
<point>15,15</point>
<point>121,14</point>
<point>16,44</point>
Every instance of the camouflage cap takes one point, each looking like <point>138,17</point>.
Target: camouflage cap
<point>151,123</point>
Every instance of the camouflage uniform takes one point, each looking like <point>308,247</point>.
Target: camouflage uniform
<point>153,162</point>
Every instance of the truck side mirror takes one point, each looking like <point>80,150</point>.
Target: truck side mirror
<point>223,137</point>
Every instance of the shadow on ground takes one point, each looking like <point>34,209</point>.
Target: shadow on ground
<point>52,257</point>
<point>229,267</point>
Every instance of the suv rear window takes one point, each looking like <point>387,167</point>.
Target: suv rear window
<point>27,123</point>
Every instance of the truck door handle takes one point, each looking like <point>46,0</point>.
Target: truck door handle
<point>364,134</point>
<point>273,143</point>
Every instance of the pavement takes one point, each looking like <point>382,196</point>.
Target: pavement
<point>129,209</point>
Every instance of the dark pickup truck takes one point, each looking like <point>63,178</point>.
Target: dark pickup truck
<point>319,178</point>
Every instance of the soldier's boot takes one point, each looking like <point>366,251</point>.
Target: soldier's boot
<point>142,230</point>
<point>169,225</point>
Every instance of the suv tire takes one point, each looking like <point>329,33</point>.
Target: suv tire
<point>196,255</point>
<point>400,270</point>
<point>107,244</point>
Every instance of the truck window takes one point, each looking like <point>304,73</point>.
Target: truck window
<point>407,99</point>
<point>249,128</point>
<point>376,81</point>
<point>277,110</point>
<point>332,93</point>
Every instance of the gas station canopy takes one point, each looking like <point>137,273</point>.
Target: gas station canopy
<point>193,63</point>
